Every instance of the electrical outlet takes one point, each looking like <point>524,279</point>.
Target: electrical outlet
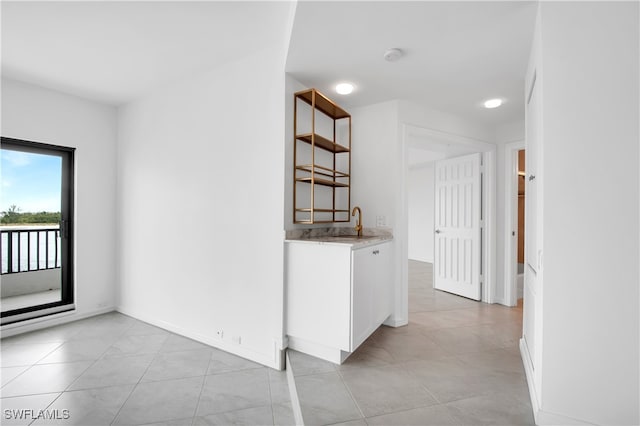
<point>220,334</point>
<point>381,220</point>
<point>237,340</point>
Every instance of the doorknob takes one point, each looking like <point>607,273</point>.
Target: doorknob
<point>438,231</point>
<point>531,177</point>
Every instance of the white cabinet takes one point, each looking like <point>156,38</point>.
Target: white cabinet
<point>371,290</point>
<point>337,295</point>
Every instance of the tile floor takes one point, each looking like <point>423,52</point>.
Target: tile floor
<point>115,370</point>
<point>456,363</point>
<point>40,298</point>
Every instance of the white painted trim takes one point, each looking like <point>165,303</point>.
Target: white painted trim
<point>511,221</point>
<point>326,353</point>
<point>293,394</point>
<point>400,314</point>
<point>489,215</point>
<point>409,130</point>
<point>444,137</point>
<point>541,417</point>
<point>49,321</point>
<point>528,370</point>
<point>269,360</point>
<point>396,322</point>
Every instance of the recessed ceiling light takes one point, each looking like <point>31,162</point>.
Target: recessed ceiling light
<point>493,103</point>
<point>344,88</point>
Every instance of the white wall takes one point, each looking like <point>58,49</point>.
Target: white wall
<point>37,114</point>
<point>374,162</point>
<point>421,187</point>
<point>590,57</point>
<point>375,170</point>
<point>418,115</point>
<point>201,172</point>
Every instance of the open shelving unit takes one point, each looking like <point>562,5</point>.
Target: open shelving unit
<point>322,173</point>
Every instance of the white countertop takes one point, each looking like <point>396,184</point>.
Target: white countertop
<point>343,240</point>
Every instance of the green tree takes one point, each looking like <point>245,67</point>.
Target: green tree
<point>11,215</point>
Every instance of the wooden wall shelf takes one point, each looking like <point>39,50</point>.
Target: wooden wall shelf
<point>335,176</point>
<point>321,142</point>
<point>322,103</point>
<point>324,171</point>
<point>324,182</point>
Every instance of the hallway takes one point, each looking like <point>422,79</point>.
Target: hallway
<point>456,363</point>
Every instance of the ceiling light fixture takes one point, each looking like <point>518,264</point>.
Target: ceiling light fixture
<point>493,103</point>
<point>393,54</point>
<point>344,88</point>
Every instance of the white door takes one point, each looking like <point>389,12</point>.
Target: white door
<point>532,302</point>
<point>457,251</point>
<point>531,254</point>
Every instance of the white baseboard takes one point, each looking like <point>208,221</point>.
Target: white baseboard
<point>395,322</point>
<point>546,418</point>
<point>34,324</point>
<point>333,355</point>
<point>274,360</point>
<point>543,418</point>
<point>528,370</point>
<point>499,301</point>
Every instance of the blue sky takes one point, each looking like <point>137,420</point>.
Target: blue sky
<point>30,181</point>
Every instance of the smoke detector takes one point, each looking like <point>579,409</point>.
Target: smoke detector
<point>393,54</point>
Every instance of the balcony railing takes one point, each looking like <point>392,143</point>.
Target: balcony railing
<point>29,248</point>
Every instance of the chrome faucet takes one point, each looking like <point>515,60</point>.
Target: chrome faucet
<point>358,226</point>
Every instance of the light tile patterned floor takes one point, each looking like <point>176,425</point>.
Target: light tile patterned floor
<point>456,363</point>
<point>113,369</point>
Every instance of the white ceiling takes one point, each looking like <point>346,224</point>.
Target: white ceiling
<point>114,52</point>
<point>457,54</point>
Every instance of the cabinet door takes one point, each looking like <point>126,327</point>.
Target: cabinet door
<point>318,293</point>
<point>372,290</point>
<point>383,289</point>
<point>363,284</point>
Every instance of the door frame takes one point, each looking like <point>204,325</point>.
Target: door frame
<point>412,134</point>
<point>67,210</point>
<point>511,221</point>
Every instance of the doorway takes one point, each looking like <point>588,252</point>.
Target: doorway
<point>515,220</point>
<point>420,148</point>
<point>36,244</point>
<point>520,232</point>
